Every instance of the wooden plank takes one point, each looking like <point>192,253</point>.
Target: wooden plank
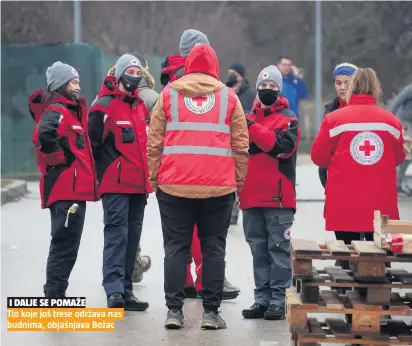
<point>368,248</point>
<point>401,275</point>
<point>378,296</point>
<point>379,240</point>
<point>408,296</point>
<point>315,328</point>
<point>398,329</point>
<point>368,271</point>
<point>306,247</point>
<point>339,328</point>
<point>338,274</point>
<point>332,300</point>
<point>337,247</point>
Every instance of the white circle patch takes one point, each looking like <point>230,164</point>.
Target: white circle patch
<point>366,148</point>
<point>200,104</point>
<point>287,234</point>
<point>75,72</point>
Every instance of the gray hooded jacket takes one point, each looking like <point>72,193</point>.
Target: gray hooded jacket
<point>401,106</point>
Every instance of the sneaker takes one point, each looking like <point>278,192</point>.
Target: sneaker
<point>212,320</point>
<point>228,285</point>
<point>174,319</point>
<point>255,311</point>
<point>227,294</point>
<point>274,313</point>
<point>141,265</point>
<point>190,292</point>
<point>115,300</point>
<point>134,304</point>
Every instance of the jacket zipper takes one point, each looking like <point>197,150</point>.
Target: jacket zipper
<point>119,170</point>
<point>138,146</point>
<point>280,193</point>
<point>74,179</point>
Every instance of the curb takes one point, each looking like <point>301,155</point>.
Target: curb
<point>13,191</point>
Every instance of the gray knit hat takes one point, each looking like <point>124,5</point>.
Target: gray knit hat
<point>59,74</point>
<point>189,39</point>
<point>123,63</point>
<point>270,74</point>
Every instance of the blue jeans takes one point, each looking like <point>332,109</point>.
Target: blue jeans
<point>123,220</point>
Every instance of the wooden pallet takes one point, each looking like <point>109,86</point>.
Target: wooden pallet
<point>363,325</point>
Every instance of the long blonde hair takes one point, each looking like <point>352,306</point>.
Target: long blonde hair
<point>365,81</point>
<point>111,71</point>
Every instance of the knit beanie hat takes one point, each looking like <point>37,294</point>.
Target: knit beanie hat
<point>270,74</point>
<point>239,68</point>
<point>189,39</point>
<point>123,63</point>
<point>59,74</point>
<point>344,69</point>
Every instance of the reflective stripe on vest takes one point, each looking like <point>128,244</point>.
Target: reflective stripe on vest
<point>174,114</point>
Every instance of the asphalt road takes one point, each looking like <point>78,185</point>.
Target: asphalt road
<point>24,247</point>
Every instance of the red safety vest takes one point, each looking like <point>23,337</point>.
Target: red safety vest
<point>197,142</point>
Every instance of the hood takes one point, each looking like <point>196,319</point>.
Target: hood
<point>170,66</point>
<point>147,80</point>
<point>42,98</point>
<point>282,102</point>
<point>202,59</point>
<point>110,88</point>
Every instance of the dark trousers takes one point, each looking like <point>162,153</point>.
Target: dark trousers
<point>212,217</point>
<point>64,245</point>
<point>267,231</point>
<point>347,238</point>
<point>123,220</point>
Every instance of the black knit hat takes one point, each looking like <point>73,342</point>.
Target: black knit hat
<point>239,68</point>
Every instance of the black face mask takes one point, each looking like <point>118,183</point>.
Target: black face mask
<point>231,80</point>
<point>130,83</point>
<point>268,96</point>
<point>72,95</point>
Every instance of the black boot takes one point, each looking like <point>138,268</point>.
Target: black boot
<point>115,300</point>
<point>274,313</point>
<point>54,294</point>
<point>255,311</point>
<point>134,304</point>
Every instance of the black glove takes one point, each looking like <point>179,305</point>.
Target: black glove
<point>249,123</point>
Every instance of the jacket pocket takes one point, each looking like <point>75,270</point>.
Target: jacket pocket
<point>279,197</point>
<point>127,131</point>
<point>79,131</point>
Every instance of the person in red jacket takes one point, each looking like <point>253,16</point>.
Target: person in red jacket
<point>361,145</point>
<point>268,198</point>
<point>65,160</point>
<point>118,123</point>
<point>172,69</point>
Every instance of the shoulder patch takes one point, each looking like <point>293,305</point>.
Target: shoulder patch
<point>287,113</point>
<point>105,101</point>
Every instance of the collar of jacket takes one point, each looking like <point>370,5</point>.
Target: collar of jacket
<point>336,103</point>
<point>362,100</point>
<point>277,106</point>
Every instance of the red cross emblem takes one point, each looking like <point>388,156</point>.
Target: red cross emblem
<point>367,148</point>
<point>265,75</point>
<point>200,100</point>
<point>134,62</point>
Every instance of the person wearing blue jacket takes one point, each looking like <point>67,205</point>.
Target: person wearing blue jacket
<point>294,86</point>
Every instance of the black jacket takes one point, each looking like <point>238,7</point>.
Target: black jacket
<point>246,96</point>
<point>329,108</point>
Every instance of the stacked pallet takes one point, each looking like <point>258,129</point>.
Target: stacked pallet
<point>369,295</point>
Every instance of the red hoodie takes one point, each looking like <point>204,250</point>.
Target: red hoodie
<point>172,69</point>
<point>274,138</point>
<point>118,133</point>
<point>63,151</point>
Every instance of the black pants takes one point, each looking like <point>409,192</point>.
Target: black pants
<point>64,245</point>
<point>347,238</point>
<point>212,217</point>
<point>123,220</point>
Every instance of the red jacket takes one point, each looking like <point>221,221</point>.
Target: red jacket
<point>118,133</point>
<point>63,151</point>
<point>172,69</point>
<point>361,145</point>
<point>274,136</point>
